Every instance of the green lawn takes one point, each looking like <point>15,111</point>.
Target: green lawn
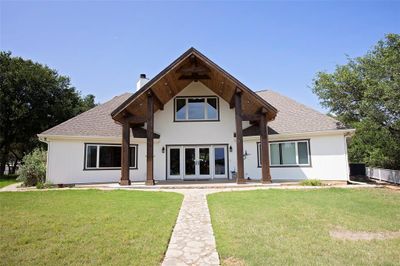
<point>291,227</point>
<point>7,181</point>
<point>88,227</point>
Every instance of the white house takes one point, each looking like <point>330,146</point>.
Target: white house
<point>194,121</point>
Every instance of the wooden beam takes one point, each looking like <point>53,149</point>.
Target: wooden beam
<point>255,117</point>
<point>265,167</point>
<point>239,139</point>
<point>159,103</point>
<point>150,139</point>
<point>232,101</point>
<point>125,181</point>
<point>135,119</point>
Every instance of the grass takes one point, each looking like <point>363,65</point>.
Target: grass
<point>291,227</point>
<point>6,180</point>
<point>88,227</point>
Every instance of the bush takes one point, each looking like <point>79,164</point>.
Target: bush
<point>41,185</point>
<point>311,182</point>
<point>33,168</point>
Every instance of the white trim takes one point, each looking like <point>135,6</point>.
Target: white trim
<point>205,109</point>
<point>98,167</point>
<point>116,140</point>
<point>296,143</point>
<point>346,158</point>
<point>287,136</point>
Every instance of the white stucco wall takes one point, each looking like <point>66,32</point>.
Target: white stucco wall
<point>66,164</point>
<point>66,157</point>
<point>328,160</point>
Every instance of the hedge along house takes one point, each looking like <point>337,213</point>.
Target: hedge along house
<point>194,121</point>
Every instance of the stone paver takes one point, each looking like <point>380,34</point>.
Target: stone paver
<point>192,241</point>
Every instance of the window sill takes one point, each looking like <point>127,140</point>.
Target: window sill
<point>111,168</point>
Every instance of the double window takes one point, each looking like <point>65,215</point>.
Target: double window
<point>287,153</point>
<point>107,156</point>
<point>196,109</point>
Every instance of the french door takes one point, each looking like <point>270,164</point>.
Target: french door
<point>197,162</point>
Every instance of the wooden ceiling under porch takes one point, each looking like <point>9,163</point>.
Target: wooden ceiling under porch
<point>192,66</point>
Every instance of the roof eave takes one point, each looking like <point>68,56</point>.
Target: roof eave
<point>189,52</point>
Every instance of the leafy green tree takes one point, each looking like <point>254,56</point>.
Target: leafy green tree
<point>365,94</point>
<point>33,98</point>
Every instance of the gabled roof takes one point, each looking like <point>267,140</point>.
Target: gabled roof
<point>293,117</point>
<point>174,78</point>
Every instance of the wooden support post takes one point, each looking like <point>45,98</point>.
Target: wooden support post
<point>239,138</point>
<point>150,139</point>
<point>265,169</point>
<point>125,181</point>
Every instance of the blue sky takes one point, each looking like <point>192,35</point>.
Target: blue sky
<point>104,46</point>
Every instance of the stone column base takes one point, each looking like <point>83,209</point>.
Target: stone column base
<point>266,181</point>
<point>150,183</point>
<point>241,181</point>
<point>125,182</point>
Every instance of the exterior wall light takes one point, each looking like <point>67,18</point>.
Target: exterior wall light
<point>230,148</point>
<point>163,149</point>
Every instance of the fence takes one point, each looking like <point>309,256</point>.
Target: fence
<point>392,176</point>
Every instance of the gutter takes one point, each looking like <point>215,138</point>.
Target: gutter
<point>345,132</point>
<point>46,138</point>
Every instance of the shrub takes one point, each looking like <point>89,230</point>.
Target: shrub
<point>311,182</point>
<point>33,168</point>
<point>41,185</point>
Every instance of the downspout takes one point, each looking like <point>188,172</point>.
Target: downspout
<point>44,140</point>
<point>345,137</point>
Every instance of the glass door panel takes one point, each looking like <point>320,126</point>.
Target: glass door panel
<point>219,161</point>
<point>174,161</point>
<point>204,161</point>
<point>190,161</point>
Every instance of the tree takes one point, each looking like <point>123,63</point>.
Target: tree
<point>365,94</point>
<point>33,98</point>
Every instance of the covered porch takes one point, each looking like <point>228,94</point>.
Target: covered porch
<point>136,115</point>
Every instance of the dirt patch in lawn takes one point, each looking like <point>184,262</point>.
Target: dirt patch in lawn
<point>232,261</point>
<point>351,235</point>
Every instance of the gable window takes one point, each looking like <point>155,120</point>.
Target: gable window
<point>196,109</point>
<point>108,156</point>
<point>287,153</point>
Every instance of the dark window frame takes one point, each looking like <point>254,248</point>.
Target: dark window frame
<point>280,153</point>
<point>136,146</point>
<point>205,97</point>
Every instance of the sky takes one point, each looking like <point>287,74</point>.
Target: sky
<point>103,46</point>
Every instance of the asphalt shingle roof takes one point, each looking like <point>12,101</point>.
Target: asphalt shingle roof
<point>292,117</point>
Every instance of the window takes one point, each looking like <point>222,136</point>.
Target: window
<point>287,153</point>
<point>196,109</point>
<point>108,156</point>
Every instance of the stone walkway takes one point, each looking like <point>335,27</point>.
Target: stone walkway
<point>12,187</point>
<point>192,241</point>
